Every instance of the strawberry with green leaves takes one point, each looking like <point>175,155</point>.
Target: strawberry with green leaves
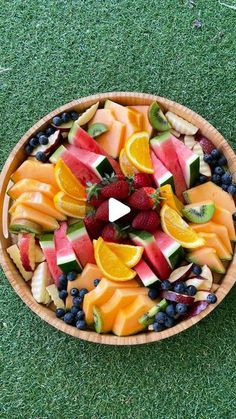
<point>144,198</point>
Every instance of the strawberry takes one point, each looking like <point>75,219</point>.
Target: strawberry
<point>118,189</point>
<point>102,212</point>
<point>93,226</point>
<point>113,233</point>
<point>94,196</point>
<point>207,145</point>
<point>139,180</point>
<point>144,198</point>
<point>146,220</point>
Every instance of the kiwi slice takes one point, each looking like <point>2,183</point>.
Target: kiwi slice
<point>148,318</point>
<point>201,212</point>
<point>97,129</point>
<point>98,323</point>
<point>157,118</point>
<point>24,226</point>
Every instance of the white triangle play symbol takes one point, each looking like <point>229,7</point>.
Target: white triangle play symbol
<point>117,209</point>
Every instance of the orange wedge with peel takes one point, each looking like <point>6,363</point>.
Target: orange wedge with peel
<point>68,183</point>
<point>174,225</point>
<point>127,168</point>
<point>138,151</point>
<point>130,255</point>
<point>70,206</point>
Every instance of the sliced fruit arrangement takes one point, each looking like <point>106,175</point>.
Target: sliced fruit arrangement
<point>147,268</point>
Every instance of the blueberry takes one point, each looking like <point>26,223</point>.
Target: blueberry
<point>207,158</point>
<point>40,156</point>
<point>28,148</point>
<point>62,281</point>
<point>222,161</point>
<point>96,282</point>
<point>196,269</point>
<point>224,187</point>
<point>216,179</point>
<point>180,287</point>
<point>39,134</point>
<point>69,318</point>
<point>157,327</point>
<point>74,310</point>
<point>165,285</point>
<point>77,301</point>
<point>192,290</point>
<point>63,294</point>
<point>203,179</point>
<point>181,308</point>
<point>74,115</point>
<point>50,131</point>
<point>231,190</point>
<point>65,117</point>
<point>234,216</point>
<point>82,292</point>
<point>170,310</point>
<point>74,292</point>
<point>71,276</point>
<point>216,154</point>
<point>81,325</point>
<point>80,315</point>
<point>34,142</point>
<point>219,171</point>
<point>226,178</point>
<point>153,293</point>
<point>57,121</point>
<point>169,322</point>
<point>43,140</point>
<point>214,163</point>
<point>160,317</point>
<point>211,298</point>
<point>60,312</point>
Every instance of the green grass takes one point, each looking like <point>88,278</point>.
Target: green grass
<point>55,51</point>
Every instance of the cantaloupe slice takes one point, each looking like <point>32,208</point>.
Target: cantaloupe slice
<point>111,141</point>
<point>85,280</point>
<point>33,169</point>
<point>218,229</point>
<point>206,256</point>
<point>131,119</point>
<point>101,294</point>
<point>45,221</point>
<point>210,190</point>
<point>120,299</point>
<point>143,109</point>
<point>126,322</point>
<point>223,216</point>
<point>212,240</point>
<point>31,185</point>
<point>39,202</point>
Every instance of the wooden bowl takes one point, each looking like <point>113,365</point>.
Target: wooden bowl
<point>17,157</point>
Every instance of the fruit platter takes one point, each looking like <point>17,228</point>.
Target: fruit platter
<point>118,218</point>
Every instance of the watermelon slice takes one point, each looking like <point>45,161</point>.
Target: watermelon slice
<point>171,249</point>
<point>189,162</point>
<point>97,163</point>
<point>151,252</point>
<point>146,275</point>
<point>164,149</point>
<point>48,247</point>
<point>162,175</point>
<point>81,139</point>
<point>81,172</point>
<point>66,257</point>
<point>81,243</point>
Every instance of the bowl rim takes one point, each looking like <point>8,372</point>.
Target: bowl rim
<point>17,281</point>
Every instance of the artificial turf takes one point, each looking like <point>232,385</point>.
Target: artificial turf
<point>50,53</point>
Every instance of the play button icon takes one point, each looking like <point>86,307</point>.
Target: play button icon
<point>117,209</point>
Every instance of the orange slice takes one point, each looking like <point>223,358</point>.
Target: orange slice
<point>67,182</point>
<point>138,152</point>
<point>130,255</point>
<point>169,198</point>
<point>109,264</point>
<point>178,229</point>
<point>126,166</point>
<point>70,206</point>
